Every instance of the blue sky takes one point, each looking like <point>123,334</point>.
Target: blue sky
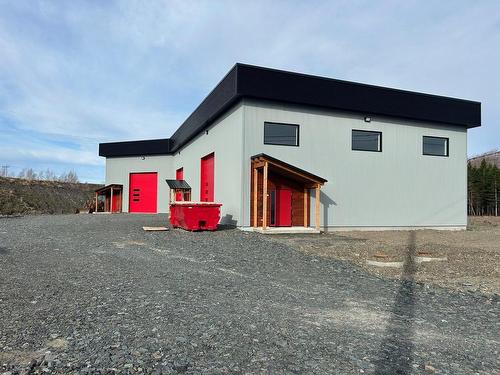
<point>76,73</point>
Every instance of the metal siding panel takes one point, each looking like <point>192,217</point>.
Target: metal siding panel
<point>118,171</point>
<point>225,139</point>
<point>396,187</point>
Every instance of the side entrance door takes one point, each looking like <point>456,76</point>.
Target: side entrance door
<point>143,192</point>
<point>207,178</point>
<point>179,175</point>
<point>283,208</point>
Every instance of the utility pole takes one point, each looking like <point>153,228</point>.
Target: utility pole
<point>5,170</point>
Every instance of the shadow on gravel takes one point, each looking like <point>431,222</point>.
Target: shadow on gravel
<point>396,349</point>
<point>3,250</point>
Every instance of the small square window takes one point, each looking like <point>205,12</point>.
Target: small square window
<point>281,134</point>
<point>435,146</point>
<point>363,140</point>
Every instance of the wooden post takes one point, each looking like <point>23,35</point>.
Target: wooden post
<point>95,202</point>
<point>264,197</point>
<point>255,196</point>
<point>111,203</point>
<point>316,208</point>
<point>306,207</point>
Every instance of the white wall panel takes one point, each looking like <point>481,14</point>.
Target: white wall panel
<point>397,187</point>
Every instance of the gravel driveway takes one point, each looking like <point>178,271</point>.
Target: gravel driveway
<point>96,294</point>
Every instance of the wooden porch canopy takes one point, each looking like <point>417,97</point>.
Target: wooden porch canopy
<point>267,163</point>
<point>112,198</point>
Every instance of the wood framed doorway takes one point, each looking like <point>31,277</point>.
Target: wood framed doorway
<point>280,194</point>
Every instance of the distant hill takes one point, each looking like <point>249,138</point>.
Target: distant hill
<point>491,157</point>
<point>20,196</point>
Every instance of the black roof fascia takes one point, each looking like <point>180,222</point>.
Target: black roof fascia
<point>297,88</point>
<point>248,81</point>
<point>135,148</point>
<point>221,98</point>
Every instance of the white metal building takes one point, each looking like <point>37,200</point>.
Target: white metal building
<point>278,148</point>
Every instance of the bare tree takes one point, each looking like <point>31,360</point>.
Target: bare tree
<point>70,176</point>
<point>28,174</point>
<point>50,175</point>
<point>31,174</point>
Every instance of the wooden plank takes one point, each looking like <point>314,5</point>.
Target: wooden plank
<point>264,197</point>
<point>255,187</point>
<point>258,164</point>
<point>316,207</point>
<point>155,229</point>
<point>305,207</point>
<point>308,178</point>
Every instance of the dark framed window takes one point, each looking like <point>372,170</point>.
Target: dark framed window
<point>435,146</point>
<point>364,140</point>
<point>281,134</point>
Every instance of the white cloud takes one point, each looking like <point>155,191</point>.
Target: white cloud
<point>90,72</point>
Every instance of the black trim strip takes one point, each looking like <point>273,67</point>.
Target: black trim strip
<point>135,148</point>
<point>247,81</point>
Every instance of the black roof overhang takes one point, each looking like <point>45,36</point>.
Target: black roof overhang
<point>289,87</point>
<point>247,81</point>
<point>135,148</point>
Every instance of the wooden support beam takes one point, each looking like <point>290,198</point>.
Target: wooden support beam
<point>95,202</point>
<point>316,207</point>
<point>258,164</point>
<point>111,203</point>
<point>255,196</point>
<point>306,208</point>
<point>264,197</point>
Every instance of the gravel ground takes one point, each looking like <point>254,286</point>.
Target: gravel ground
<point>470,260</point>
<point>96,294</point>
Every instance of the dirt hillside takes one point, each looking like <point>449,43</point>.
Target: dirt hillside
<point>19,196</point>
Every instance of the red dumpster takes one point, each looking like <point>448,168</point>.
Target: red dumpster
<point>195,215</point>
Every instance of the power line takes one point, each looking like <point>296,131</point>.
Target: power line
<point>4,170</point>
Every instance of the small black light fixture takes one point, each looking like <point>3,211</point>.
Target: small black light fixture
<point>368,119</point>
<point>206,132</point>
<point>143,158</point>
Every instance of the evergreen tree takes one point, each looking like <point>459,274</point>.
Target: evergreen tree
<point>483,187</point>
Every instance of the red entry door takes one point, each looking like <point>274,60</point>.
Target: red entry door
<point>283,208</point>
<point>207,178</point>
<point>143,192</point>
<point>115,202</point>
<point>179,175</point>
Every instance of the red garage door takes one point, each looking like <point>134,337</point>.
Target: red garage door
<point>143,192</point>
